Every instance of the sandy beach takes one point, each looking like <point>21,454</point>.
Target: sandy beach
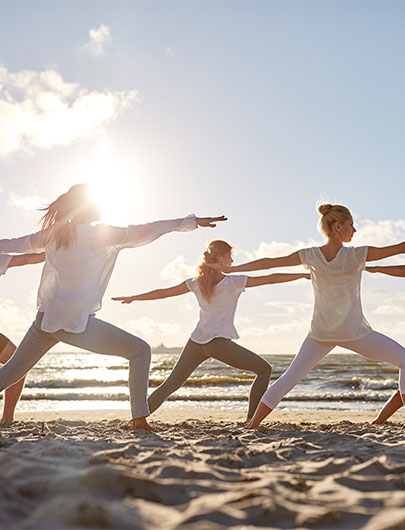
<point>81,469</point>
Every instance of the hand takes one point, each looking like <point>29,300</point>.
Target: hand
<point>210,221</point>
<point>124,299</point>
<point>219,267</point>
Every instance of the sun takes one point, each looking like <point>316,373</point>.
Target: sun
<point>112,186</point>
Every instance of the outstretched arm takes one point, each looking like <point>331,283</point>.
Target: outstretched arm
<point>393,270</point>
<point>375,253</point>
<point>275,278</point>
<point>155,295</point>
<point>27,259</point>
<point>136,235</point>
<point>259,264</point>
<point>21,245</point>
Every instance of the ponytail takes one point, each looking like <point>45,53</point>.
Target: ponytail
<point>207,276</point>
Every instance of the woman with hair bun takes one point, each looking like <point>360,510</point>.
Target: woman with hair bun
<point>80,258</point>
<point>338,318</point>
<point>217,296</point>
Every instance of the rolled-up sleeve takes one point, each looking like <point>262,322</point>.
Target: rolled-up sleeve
<point>21,245</point>
<point>136,235</point>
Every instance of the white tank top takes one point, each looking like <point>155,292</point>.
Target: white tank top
<point>338,315</point>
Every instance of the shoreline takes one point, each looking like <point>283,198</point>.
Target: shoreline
<point>173,416</point>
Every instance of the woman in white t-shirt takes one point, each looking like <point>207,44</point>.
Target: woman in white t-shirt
<point>80,258</point>
<point>337,319</point>
<point>7,348</point>
<point>217,296</point>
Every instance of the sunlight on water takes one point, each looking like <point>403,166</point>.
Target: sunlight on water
<point>63,381</point>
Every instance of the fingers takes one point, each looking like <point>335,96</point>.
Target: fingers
<point>122,299</point>
<point>210,221</point>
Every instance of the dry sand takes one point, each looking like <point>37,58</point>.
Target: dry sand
<point>314,469</point>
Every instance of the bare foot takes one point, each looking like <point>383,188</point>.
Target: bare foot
<point>142,424</point>
<point>6,420</point>
<point>377,421</point>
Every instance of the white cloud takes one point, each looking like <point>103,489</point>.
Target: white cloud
<point>170,51</point>
<point>177,270</point>
<point>98,39</point>
<point>380,233</point>
<point>42,110</point>
<point>286,327</point>
<point>14,320</point>
<point>290,307</point>
<point>150,329</point>
<point>29,203</point>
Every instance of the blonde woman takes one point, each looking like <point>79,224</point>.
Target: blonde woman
<point>338,318</point>
<point>217,296</point>
<point>80,258</point>
<point>7,348</point>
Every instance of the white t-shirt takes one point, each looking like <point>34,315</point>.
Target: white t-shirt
<point>74,280</point>
<point>4,263</point>
<point>338,315</point>
<point>216,316</point>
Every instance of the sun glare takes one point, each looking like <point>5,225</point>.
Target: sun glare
<point>112,186</point>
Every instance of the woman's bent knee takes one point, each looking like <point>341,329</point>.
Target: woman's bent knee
<point>265,369</point>
<point>141,349</point>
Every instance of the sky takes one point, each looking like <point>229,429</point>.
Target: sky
<point>257,110</point>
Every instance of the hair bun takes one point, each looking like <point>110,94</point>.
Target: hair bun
<point>324,209</point>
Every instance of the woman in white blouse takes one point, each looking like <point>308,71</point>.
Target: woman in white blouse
<point>7,348</point>
<point>217,295</point>
<point>338,318</point>
<point>80,258</point>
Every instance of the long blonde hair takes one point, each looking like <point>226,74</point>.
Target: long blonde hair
<point>59,222</point>
<point>208,277</point>
<point>332,213</point>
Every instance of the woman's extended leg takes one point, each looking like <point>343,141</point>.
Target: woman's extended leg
<point>191,356</point>
<point>311,352</point>
<point>102,337</point>
<point>32,348</point>
<point>239,357</point>
<point>13,393</point>
<point>379,347</point>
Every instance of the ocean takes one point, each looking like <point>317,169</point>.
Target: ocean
<point>81,380</point>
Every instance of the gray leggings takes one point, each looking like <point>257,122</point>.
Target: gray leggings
<point>224,350</point>
<point>98,337</point>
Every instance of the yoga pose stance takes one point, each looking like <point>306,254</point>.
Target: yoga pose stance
<point>395,402</point>
<point>7,348</point>
<point>217,296</point>
<point>337,318</point>
<point>79,261</point>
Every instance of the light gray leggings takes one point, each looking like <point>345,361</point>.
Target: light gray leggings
<point>224,350</point>
<point>98,337</point>
<point>375,346</point>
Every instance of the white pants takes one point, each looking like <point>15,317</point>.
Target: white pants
<point>374,346</point>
